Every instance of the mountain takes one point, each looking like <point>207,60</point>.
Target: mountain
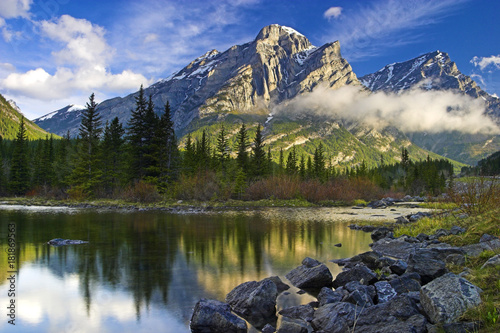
<point>10,115</point>
<point>242,84</point>
<point>436,71</point>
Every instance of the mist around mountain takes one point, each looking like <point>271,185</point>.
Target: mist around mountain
<point>304,95</point>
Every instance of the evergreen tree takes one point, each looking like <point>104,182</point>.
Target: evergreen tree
<point>259,160</point>
<point>189,159</point>
<point>203,152</point>
<point>281,165</point>
<point>87,172</point>
<point>291,162</point>
<point>19,171</point>
<point>112,154</point>
<point>319,162</point>
<point>302,167</point>
<point>222,151</point>
<point>241,148</point>
<point>136,131</point>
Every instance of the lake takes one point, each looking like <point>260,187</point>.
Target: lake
<point>143,271</point>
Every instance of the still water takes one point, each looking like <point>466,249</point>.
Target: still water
<point>145,271</point>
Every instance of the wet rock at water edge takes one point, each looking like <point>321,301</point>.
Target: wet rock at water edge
<point>312,274</point>
<point>215,316</point>
<point>447,298</point>
<point>328,296</point>
<point>359,273</point>
<point>304,312</point>
<point>62,242</point>
<point>255,301</point>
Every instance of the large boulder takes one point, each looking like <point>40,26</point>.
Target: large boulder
<point>335,317</point>
<point>327,296</point>
<point>310,275</point>
<point>215,316</point>
<point>446,298</point>
<point>492,262</point>
<point>397,248</point>
<point>424,263</point>
<point>359,273</point>
<point>406,283</point>
<point>255,301</point>
<point>304,312</point>
<point>385,292</point>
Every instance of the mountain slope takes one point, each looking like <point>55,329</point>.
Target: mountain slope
<point>279,64</point>
<point>436,71</point>
<point>10,115</point>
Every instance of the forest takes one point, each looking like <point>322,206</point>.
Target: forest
<point>142,161</point>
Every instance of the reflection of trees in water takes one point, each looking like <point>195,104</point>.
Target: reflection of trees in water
<point>211,254</point>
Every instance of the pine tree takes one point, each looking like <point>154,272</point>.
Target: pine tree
<point>241,148</point>
<point>136,133</point>
<point>259,161</point>
<point>319,162</point>
<point>189,158</point>
<point>203,152</point>
<point>19,171</point>
<point>87,173</point>
<point>222,151</point>
<point>302,167</point>
<point>112,154</point>
<point>291,162</point>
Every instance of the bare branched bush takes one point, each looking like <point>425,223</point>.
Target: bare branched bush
<point>141,192</point>
<point>476,195</point>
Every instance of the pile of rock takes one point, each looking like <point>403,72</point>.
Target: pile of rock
<point>412,291</point>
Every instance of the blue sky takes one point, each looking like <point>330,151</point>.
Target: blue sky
<point>57,52</point>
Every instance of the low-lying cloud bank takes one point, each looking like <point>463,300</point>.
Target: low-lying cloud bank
<point>415,110</point>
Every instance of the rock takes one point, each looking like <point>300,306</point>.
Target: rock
<point>461,327</point>
<point>400,314</point>
<point>335,317</point>
<point>384,262</point>
<point>360,295</point>
<point>446,298</point>
<point>455,259</point>
<point>288,326</point>
<point>401,220</point>
<point>303,312</point>
<point>380,233</point>
<point>62,242</point>
<point>385,292</point>
<point>378,204</point>
<point>399,267</point>
<point>487,238</point>
<point>215,316</point>
<point>268,329</point>
<point>338,245</point>
<point>328,296</point>
<point>474,250</point>
<point>425,264</point>
<point>422,237</point>
<point>456,230</point>
<point>311,275</point>
<point>255,301</point>
<point>368,258</point>
<point>406,283</point>
<point>368,228</point>
<point>359,273</point>
<point>492,262</point>
<point>396,248</point>
<point>279,284</point>
<point>441,233</point>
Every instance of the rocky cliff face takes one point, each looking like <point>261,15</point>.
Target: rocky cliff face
<point>435,71</point>
<point>278,65</point>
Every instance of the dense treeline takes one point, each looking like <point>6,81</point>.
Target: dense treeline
<point>489,166</point>
<point>141,161</point>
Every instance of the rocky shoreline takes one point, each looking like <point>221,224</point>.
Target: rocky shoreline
<point>402,285</point>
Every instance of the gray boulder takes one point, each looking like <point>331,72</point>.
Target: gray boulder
<point>446,298</point>
<point>304,312</point>
<point>327,296</point>
<point>406,283</point>
<point>492,262</point>
<point>380,233</point>
<point>290,326</point>
<point>335,317</point>
<point>360,295</point>
<point>396,248</point>
<point>215,316</point>
<point>311,275</point>
<point>359,273</point>
<point>423,262</point>
<point>62,242</point>
<point>255,301</point>
<point>385,292</point>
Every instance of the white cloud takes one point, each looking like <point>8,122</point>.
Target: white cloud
<point>378,26</point>
<point>334,12</point>
<point>83,64</point>
<point>483,62</point>
<point>413,110</point>
<point>15,8</point>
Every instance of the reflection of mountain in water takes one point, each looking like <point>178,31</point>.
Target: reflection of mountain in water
<point>174,260</point>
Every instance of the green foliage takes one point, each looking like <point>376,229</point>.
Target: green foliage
<point>19,172</point>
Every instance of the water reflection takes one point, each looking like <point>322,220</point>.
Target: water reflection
<point>144,271</point>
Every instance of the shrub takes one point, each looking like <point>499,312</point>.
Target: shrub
<point>477,195</point>
<point>141,192</point>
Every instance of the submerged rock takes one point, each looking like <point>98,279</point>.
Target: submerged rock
<point>62,242</point>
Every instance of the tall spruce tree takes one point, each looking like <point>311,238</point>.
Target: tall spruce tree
<point>222,150</point>
<point>112,155</point>
<point>319,162</point>
<point>19,170</point>
<point>259,161</point>
<point>87,172</point>
<point>291,161</point>
<point>136,133</point>
<point>241,148</point>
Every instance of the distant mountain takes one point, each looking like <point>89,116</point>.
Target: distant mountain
<point>10,115</point>
<point>242,84</point>
<point>436,71</point>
